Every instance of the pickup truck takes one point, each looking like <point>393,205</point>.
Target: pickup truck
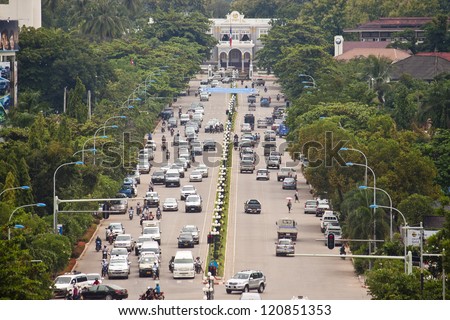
<point>286,172</point>
<point>259,82</point>
<point>251,99</point>
<point>246,165</point>
<point>287,229</point>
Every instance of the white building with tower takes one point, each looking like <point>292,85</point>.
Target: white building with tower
<point>238,40</point>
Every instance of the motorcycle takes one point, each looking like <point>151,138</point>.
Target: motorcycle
<point>172,132</point>
<point>158,214</point>
<point>265,89</point>
<point>171,262</point>
<point>163,130</point>
<point>342,252</point>
<point>130,214</point>
<point>98,245</point>
<point>198,268</point>
<point>104,270</point>
<point>236,144</point>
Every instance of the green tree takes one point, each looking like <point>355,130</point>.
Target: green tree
<point>436,104</point>
<point>50,60</point>
<point>415,207</point>
<point>39,134</point>
<point>103,20</point>
<point>289,34</point>
<point>437,36</point>
<point>76,108</point>
<point>173,24</point>
<point>10,196</point>
<point>22,279</point>
<point>377,71</point>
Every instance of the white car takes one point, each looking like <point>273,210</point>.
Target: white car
<point>170,204</point>
<point>146,263</point>
<point>203,169</point>
<point>151,144</point>
<point>187,191</point>
<point>196,176</point>
<point>193,203</point>
<point>91,277</point>
<point>124,241</point>
<point>245,127</point>
<point>262,174</point>
<point>153,232</point>
<point>118,268</point>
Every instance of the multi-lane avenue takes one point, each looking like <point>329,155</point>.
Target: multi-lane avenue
<point>250,243</point>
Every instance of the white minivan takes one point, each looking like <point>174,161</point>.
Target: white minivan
<point>183,265</point>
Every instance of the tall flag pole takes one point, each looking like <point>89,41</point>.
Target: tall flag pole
<point>231,36</point>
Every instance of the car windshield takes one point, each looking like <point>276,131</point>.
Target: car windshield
<point>115,227</point>
<point>241,276</point>
<point>284,242</point>
<point>143,239</point>
<point>158,173</point>
<point>119,252</point>
<point>170,200</point>
<point>151,230</point>
<point>196,172</point>
<point>116,262</point>
<point>63,280</point>
<point>253,202</point>
<point>193,198</point>
<point>93,276</point>
<point>188,188</point>
<point>148,259</point>
<point>190,229</point>
<point>123,238</point>
<point>186,236</point>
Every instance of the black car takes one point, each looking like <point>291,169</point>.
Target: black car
<point>185,240</point>
<point>209,145</point>
<point>252,206</point>
<point>158,177</point>
<point>104,292</point>
<point>166,113</point>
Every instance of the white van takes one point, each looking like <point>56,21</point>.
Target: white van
<point>149,246</point>
<point>151,223</point>
<point>183,265</point>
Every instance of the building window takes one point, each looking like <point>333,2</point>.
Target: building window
<point>224,37</point>
<point>263,32</point>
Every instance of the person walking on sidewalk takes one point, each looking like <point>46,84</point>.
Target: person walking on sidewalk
<point>296,196</point>
<point>289,205</point>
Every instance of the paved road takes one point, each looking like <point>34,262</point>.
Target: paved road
<point>251,238</point>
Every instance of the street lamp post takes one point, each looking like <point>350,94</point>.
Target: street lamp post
<point>95,134</point>
<point>114,117</point>
<point>374,197</point>
<point>208,289</point>
<point>216,234</point>
<point>391,232</point>
<point>93,149</point>
<point>14,211</point>
<point>83,150</point>
<point>374,206</point>
<point>55,202</point>
<point>308,76</point>
<point>365,159</point>
<point>15,188</point>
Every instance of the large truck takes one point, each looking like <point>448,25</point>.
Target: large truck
<point>287,229</point>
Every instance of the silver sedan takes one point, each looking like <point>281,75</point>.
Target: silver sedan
<point>196,176</point>
<point>170,204</point>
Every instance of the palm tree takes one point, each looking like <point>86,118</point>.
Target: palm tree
<point>102,20</point>
<point>378,73</point>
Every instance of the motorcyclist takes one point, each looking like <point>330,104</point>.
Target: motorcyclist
<point>163,139</point>
<point>105,253</point>
<point>155,270</point>
<point>96,282</point>
<point>98,243</point>
<point>138,209</point>
<point>157,289</point>
<point>131,212</point>
<point>198,265</point>
<point>172,131</point>
<point>167,154</point>
<point>158,213</point>
<point>265,89</point>
<point>104,267</point>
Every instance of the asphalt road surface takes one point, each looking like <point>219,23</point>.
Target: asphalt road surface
<point>251,238</point>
